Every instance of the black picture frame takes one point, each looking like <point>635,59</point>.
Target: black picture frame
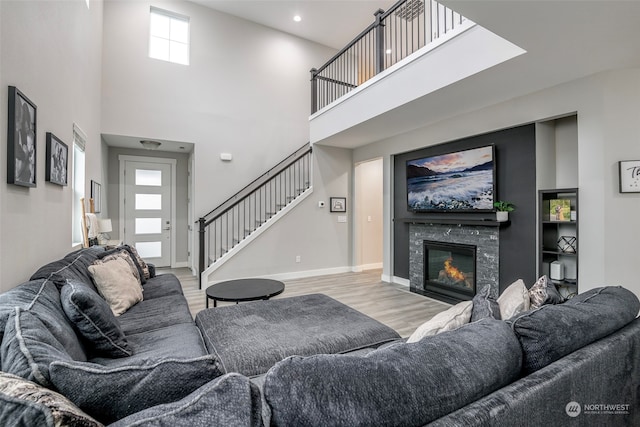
<point>338,204</point>
<point>96,195</point>
<point>57,155</point>
<point>21,140</point>
<point>629,176</point>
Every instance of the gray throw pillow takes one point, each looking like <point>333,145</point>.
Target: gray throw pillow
<point>485,305</point>
<point>543,292</point>
<point>553,331</point>
<point>93,319</point>
<point>230,400</point>
<point>404,384</point>
<point>109,394</point>
<point>23,403</point>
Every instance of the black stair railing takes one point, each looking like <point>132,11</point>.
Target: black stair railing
<point>405,28</point>
<point>238,217</point>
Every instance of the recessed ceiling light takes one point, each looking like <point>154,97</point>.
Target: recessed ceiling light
<point>297,18</point>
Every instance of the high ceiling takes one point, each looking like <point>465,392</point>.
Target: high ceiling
<point>328,22</point>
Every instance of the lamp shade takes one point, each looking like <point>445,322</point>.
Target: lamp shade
<point>104,225</point>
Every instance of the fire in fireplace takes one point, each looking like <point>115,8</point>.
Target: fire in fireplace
<point>450,270</point>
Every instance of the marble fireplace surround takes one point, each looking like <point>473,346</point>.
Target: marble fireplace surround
<point>484,235</point>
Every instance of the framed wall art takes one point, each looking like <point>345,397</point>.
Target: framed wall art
<point>21,140</point>
<point>629,171</point>
<point>96,195</point>
<point>56,157</point>
<point>338,204</point>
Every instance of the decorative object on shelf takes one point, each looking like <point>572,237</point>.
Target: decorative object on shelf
<point>503,208</point>
<point>560,210</point>
<point>57,154</point>
<point>567,244</point>
<point>556,271</point>
<point>629,171</point>
<point>338,204</point>
<point>96,196</point>
<point>21,140</point>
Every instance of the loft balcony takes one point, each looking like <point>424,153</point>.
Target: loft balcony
<point>412,50</point>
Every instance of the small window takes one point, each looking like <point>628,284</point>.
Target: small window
<point>169,36</point>
<point>79,143</point>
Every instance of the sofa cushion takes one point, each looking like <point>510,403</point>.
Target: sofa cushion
<point>553,331</point>
<point>447,320</point>
<point>109,394</point>
<point>74,266</point>
<point>403,384</point>
<point>29,347</point>
<point>93,319</point>
<point>157,313</point>
<point>230,400</point>
<point>162,286</point>
<point>543,292</point>
<point>144,267</point>
<point>181,341</point>
<point>117,284</point>
<point>514,300</point>
<point>24,403</point>
<point>485,305</point>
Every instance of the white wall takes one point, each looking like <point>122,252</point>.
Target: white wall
<point>246,92</point>
<point>52,52</point>
<point>608,111</point>
<point>368,214</point>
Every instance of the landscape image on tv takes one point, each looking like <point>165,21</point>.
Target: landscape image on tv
<point>459,181</point>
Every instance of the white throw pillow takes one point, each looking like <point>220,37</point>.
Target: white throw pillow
<point>448,320</point>
<point>117,284</point>
<point>514,300</point>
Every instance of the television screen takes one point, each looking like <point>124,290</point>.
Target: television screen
<point>458,181</point>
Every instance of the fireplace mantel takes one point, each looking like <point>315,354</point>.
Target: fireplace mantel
<point>455,221</point>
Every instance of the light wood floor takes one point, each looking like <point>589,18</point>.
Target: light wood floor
<point>390,304</point>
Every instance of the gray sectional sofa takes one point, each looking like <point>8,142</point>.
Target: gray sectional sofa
<point>576,363</point>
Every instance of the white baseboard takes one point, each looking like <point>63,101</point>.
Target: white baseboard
<point>182,264</point>
<point>395,279</point>
<point>365,267</point>
<point>296,274</point>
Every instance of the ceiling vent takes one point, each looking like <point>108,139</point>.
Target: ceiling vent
<point>410,10</point>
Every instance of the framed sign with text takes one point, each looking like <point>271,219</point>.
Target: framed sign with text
<point>629,176</point>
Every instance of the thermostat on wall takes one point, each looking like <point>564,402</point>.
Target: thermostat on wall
<point>226,157</point>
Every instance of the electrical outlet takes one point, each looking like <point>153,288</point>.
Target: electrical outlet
<point>298,258</point>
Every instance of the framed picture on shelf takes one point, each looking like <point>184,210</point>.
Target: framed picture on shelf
<point>338,204</point>
<point>96,195</point>
<point>21,140</point>
<point>629,171</point>
<point>560,210</point>
<point>56,157</point>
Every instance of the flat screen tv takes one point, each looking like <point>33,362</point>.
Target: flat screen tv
<point>461,181</point>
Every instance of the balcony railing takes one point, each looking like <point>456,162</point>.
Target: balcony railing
<point>405,28</point>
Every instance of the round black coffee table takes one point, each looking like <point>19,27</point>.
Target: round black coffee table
<point>240,290</point>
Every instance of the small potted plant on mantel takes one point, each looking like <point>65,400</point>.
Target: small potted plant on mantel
<point>503,208</point>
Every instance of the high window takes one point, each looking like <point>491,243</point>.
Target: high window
<point>79,142</point>
<point>169,36</point>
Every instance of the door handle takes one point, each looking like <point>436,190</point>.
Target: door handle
<point>167,228</point>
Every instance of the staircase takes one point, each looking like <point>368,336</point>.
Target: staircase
<point>244,216</point>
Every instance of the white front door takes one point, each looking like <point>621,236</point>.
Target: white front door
<point>147,210</point>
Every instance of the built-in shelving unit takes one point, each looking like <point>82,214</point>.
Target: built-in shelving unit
<point>558,238</point>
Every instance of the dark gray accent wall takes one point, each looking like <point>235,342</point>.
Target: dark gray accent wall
<point>515,150</point>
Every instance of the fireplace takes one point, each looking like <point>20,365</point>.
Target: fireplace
<point>450,270</point>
